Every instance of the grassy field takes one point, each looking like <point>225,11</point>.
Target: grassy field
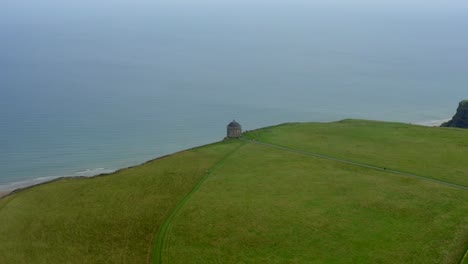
<point>259,204</point>
<point>109,219</point>
<point>439,153</point>
<point>272,206</point>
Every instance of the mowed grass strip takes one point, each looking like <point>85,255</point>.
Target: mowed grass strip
<point>438,153</point>
<point>267,205</point>
<point>108,219</point>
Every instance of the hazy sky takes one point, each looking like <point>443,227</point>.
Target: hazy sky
<point>25,7</point>
<point>258,41</point>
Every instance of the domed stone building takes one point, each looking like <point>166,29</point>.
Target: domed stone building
<point>234,130</point>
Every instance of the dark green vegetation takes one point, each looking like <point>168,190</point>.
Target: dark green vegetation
<point>243,202</point>
<point>460,119</point>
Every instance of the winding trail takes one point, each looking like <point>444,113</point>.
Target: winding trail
<point>356,163</point>
<point>462,261</point>
<point>163,230</point>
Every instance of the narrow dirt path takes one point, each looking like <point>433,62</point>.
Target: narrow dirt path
<point>356,163</point>
<point>163,230</point>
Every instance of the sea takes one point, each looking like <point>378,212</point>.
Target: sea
<point>88,87</point>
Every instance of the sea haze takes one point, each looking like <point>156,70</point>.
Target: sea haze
<point>93,86</point>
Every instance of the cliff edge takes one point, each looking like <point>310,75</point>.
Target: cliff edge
<point>460,119</point>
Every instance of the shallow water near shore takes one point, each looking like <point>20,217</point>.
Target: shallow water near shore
<point>94,87</point>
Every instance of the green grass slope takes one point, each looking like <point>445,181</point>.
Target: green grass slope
<point>272,206</point>
<point>109,219</point>
<point>439,153</point>
<point>224,203</point>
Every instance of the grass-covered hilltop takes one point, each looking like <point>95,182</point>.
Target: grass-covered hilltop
<point>352,191</point>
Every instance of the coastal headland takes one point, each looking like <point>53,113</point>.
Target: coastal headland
<point>352,191</point>
<point>460,119</point>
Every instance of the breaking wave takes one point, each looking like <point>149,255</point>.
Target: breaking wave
<point>26,183</point>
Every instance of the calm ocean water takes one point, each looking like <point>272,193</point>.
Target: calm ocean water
<point>92,86</point>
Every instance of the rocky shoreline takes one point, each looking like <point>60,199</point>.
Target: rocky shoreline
<point>460,119</point>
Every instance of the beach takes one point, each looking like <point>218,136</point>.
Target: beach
<point>3,193</point>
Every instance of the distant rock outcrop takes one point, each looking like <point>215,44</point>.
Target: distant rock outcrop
<point>460,119</point>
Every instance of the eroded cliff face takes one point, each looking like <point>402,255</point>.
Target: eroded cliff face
<point>460,119</point>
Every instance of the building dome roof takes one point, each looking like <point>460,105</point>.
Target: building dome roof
<point>234,124</point>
